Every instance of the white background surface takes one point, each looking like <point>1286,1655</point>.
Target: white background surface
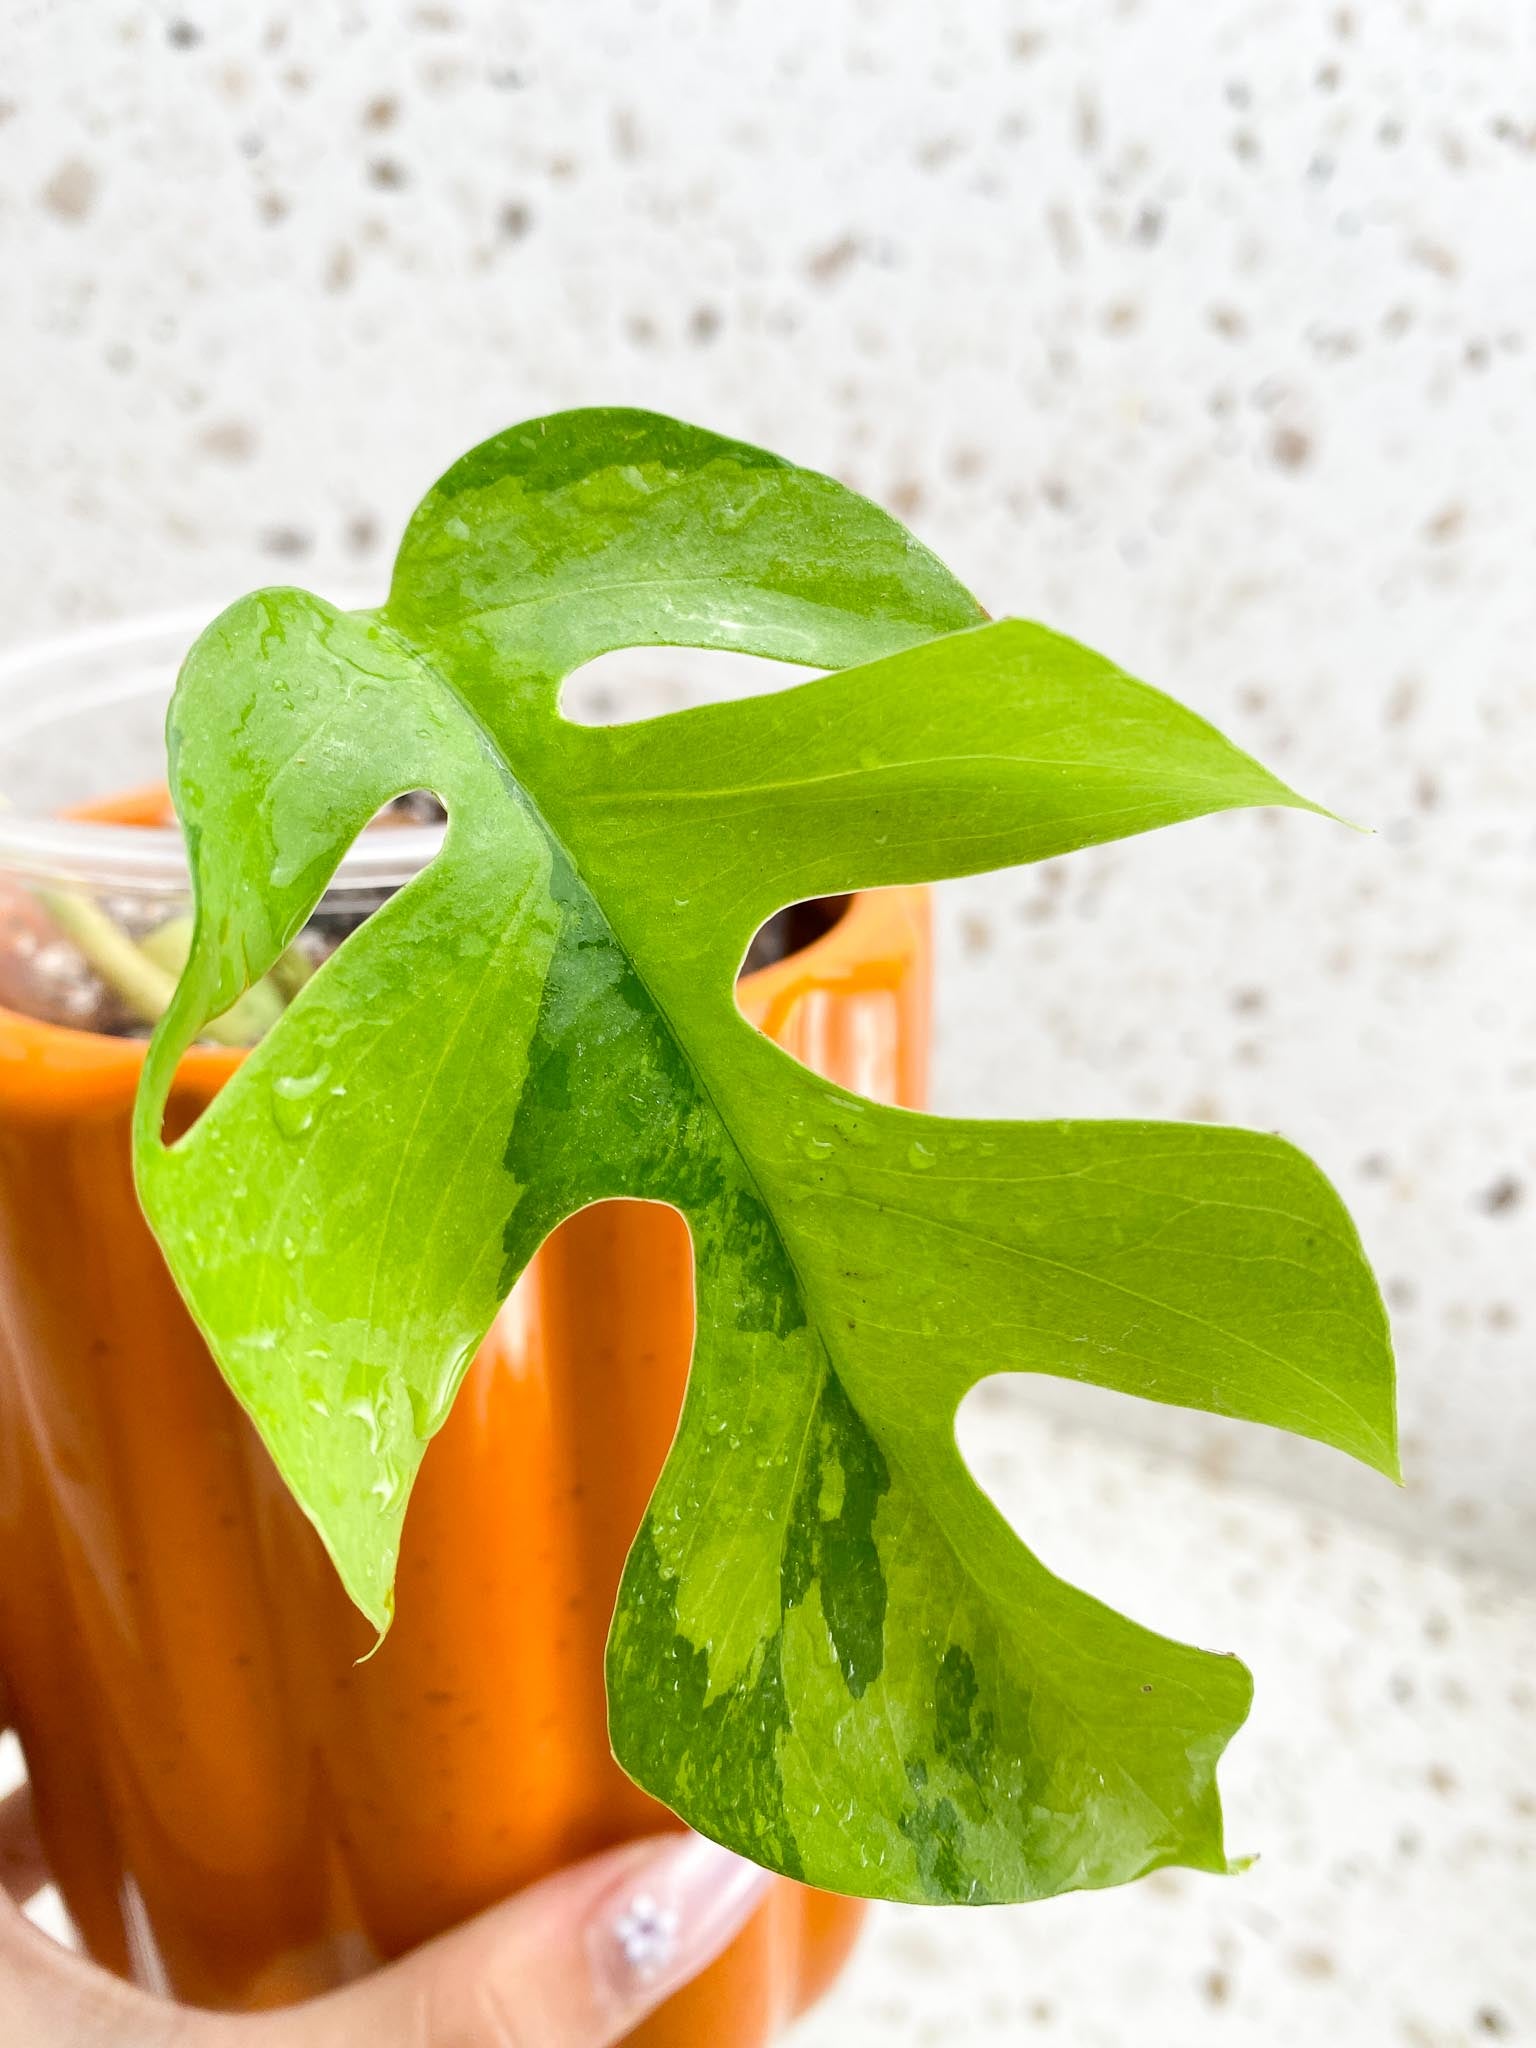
<point>1208,334</point>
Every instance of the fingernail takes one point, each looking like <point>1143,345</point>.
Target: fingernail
<point>671,1916</point>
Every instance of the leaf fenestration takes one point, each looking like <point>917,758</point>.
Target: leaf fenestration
<point>829,1649</point>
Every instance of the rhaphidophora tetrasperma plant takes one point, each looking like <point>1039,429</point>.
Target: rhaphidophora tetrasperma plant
<point>829,1651</point>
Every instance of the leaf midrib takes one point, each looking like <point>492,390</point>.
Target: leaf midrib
<point>616,799</point>
<point>708,1088</point>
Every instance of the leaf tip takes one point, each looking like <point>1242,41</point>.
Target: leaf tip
<point>1303,803</point>
<point>1390,1464</point>
<point>380,1616</point>
<point>1293,800</point>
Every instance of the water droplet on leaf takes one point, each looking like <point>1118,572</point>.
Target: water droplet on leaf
<point>389,1485</point>
<point>293,1106</point>
<point>365,1409</point>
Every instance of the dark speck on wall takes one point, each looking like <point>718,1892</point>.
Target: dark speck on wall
<point>228,440</point>
<point>1290,448</point>
<point>1446,524</point>
<point>828,263</point>
<point>1315,1963</point>
<point>71,192</point>
<point>1502,1195</point>
<point>286,541</point>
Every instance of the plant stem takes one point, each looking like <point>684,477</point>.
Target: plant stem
<point>145,975</point>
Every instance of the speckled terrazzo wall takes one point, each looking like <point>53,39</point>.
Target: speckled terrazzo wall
<point>1208,334</point>
<point>1205,332</point>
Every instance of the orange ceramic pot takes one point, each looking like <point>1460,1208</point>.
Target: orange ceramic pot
<point>236,1810</point>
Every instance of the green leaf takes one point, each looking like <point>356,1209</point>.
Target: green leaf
<point>565,538</point>
<point>829,1651</point>
<point>985,749</point>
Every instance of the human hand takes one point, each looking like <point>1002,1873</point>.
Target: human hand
<point>574,1962</point>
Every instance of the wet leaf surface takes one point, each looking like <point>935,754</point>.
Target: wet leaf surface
<point>829,1650</point>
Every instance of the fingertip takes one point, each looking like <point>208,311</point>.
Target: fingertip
<point>668,1918</point>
